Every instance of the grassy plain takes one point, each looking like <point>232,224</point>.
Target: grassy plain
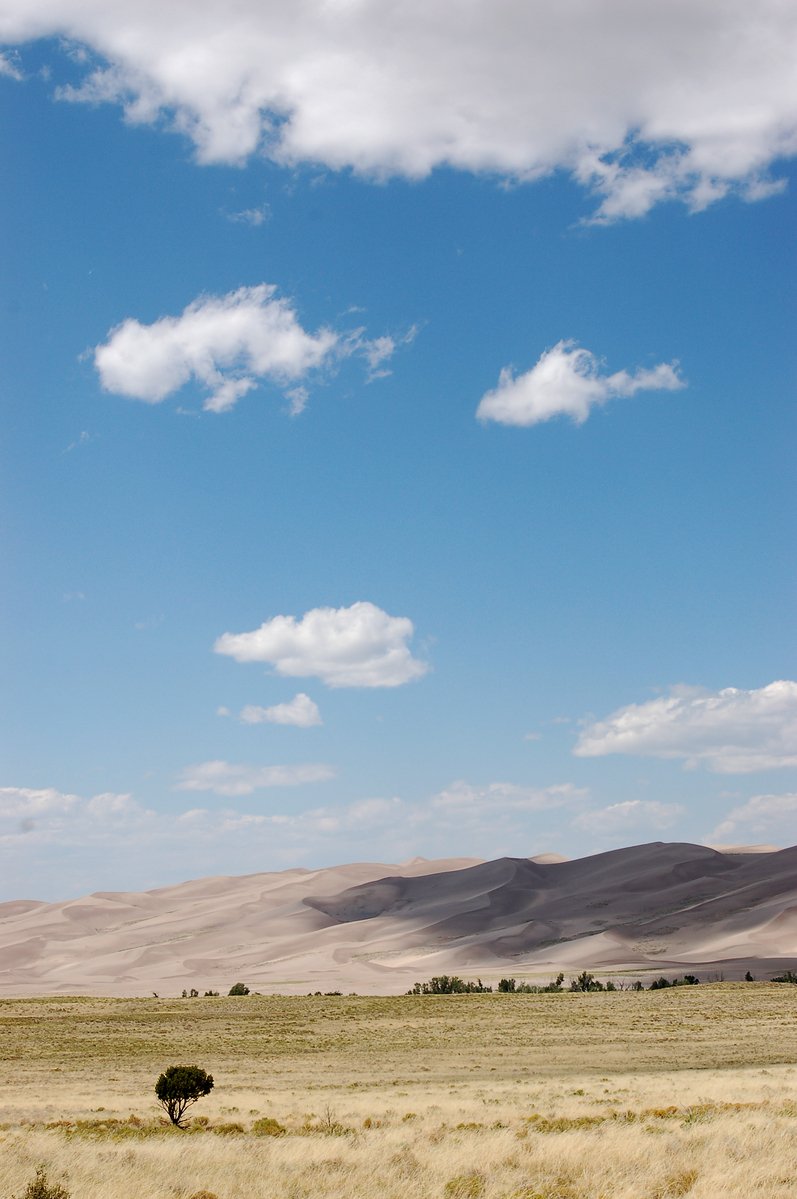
<point>691,1091</point>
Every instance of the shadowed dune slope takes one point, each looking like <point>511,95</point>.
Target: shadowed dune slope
<point>369,927</point>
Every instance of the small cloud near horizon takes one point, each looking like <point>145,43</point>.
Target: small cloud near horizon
<point>731,731</point>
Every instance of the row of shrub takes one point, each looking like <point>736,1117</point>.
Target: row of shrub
<point>451,984</point>
<point>235,989</point>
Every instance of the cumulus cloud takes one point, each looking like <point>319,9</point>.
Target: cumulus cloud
<point>762,814</point>
<point>567,381</point>
<point>360,646</point>
<point>227,344</point>
<point>730,731</point>
<point>300,711</point>
<point>632,814</point>
<point>232,778</point>
<point>42,814</point>
<point>642,103</point>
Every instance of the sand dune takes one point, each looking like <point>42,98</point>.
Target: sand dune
<point>371,927</point>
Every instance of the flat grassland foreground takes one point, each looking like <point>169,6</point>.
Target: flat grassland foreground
<point>687,1091</point>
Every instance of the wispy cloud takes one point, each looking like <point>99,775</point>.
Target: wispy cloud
<point>761,815</point>
<point>627,818</point>
<point>255,217</point>
<point>464,799</point>
<point>83,438</point>
<point>10,67</point>
<point>730,731</point>
<point>108,836</point>
<point>359,646</point>
<point>301,711</point>
<point>234,778</point>
<point>567,381</point>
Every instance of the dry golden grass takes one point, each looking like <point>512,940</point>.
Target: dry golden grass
<point>651,1096</point>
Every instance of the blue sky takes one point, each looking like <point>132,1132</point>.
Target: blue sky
<point>457,392</point>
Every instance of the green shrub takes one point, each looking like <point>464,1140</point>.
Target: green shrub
<point>180,1086</point>
<point>449,984</point>
<point>40,1188</point>
<point>688,980</point>
<point>586,982</point>
<point>268,1127</point>
<point>238,989</point>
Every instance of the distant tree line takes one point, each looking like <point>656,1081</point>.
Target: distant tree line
<point>451,984</point>
<point>448,984</point>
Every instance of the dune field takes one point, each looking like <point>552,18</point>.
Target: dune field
<point>373,928</point>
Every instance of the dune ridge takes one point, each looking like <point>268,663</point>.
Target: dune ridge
<point>372,927</point>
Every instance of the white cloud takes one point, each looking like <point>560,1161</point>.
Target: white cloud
<point>360,646</point>
<point>250,216</point>
<point>354,817</point>
<point>231,778</point>
<point>632,814</point>
<point>761,815</point>
<point>567,381</point>
<point>461,798</point>
<point>45,814</point>
<point>297,398</point>
<point>226,343</point>
<point>9,68</point>
<point>300,711</point>
<point>730,731</point>
<point>83,438</point>
<point>75,844</point>
<point>640,102</point>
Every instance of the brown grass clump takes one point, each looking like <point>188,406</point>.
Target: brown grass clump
<point>266,1126</point>
<point>465,1186</point>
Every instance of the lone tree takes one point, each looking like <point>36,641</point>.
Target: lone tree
<point>179,1087</point>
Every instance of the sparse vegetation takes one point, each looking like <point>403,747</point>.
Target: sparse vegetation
<point>573,1094</point>
<point>180,1086</point>
<point>688,980</point>
<point>511,987</point>
<point>449,984</point>
<point>40,1188</point>
<point>267,1126</point>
